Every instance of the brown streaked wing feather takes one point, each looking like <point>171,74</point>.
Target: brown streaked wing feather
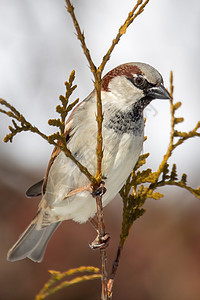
<point>57,150</point>
<point>55,153</point>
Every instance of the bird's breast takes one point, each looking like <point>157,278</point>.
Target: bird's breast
<point>122,144</point>
<point>125,121</point>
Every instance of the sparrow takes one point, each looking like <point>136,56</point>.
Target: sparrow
<point>66,194</point>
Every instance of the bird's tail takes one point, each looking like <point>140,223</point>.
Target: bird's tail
<point>32,243</point>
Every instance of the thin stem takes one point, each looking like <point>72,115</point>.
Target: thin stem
<point>99,147</point>
<point>122,30</point>
<point>99,119</point>
<point>101,229</point>
<point>104,275</point>
<point>97,84</point>
<point>114,271</point>
<point>80,36</point>
<point>170,147</point>
<point>97,73</point>
<point>195,192</point>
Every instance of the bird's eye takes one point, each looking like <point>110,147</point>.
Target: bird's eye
<point>139,81</point>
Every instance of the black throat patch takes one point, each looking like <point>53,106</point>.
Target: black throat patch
<point>129,121</point>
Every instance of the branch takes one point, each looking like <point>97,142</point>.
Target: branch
<point>134,193</point>
<point>97,73</point>
<point>16,115</point>
<point>195,192</point>
<point>80,36</point>
<point>97,84</point>
<point>122,30</point>
<point>53,286</point>
<point>101,230</point>
<point>170,147</point>
<point>56,139</point>
<point>186,135</point>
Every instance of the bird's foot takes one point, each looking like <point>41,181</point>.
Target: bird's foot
<point>100,191</point>
<point>100,242</point>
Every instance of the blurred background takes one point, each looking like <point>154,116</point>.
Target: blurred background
<point>38,51</point>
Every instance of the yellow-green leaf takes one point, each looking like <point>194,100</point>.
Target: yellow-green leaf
<point>155,195</point>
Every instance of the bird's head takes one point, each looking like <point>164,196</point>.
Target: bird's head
<point>133,82</point>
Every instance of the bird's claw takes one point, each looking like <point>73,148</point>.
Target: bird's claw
<point>100,243</point>
<point>100,191</point>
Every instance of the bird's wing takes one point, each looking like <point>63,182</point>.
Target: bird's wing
<point>56,152</point>
<point>35,190</point>
<point>68,129</point>
<point>39,188</point>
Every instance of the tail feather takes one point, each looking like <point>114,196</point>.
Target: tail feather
<point>32,243</point>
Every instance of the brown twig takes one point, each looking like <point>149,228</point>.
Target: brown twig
<point>97,72</point>
<point>113,271</point>
<point>97,84</point>
<point>99,148</point>
<point>122,30</point>
<point>80,36</point>
<point>170,147</point>
<point>99,119</point>
<point>101,229</point>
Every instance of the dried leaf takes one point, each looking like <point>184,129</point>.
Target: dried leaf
<point>155,195</point>
<point>141,161</point>
<point>165,172</point>
<point>177,105</point>
<point>54,122</point>
<point>180,134</point>
<point>63,100</point>
<point>144,176</point>
<point>72,76</point>
<point>178,120</point>
<point>173,175</point>
<point>184,178</point>
<point>59,109</point>
<point>122,29</point>
<point>137,212</point>
<point>72,105</point>
<point>8,138</point>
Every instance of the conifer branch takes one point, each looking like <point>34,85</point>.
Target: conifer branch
<point>58,139</point>
<point>97,71</point>
<point>141,185</point>
<point>54,285</point>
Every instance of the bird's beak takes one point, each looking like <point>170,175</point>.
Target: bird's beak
<point>158,92</point>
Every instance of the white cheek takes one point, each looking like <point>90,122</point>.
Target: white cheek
<point>125,92</point>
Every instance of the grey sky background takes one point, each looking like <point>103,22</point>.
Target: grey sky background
<point>38,51</point>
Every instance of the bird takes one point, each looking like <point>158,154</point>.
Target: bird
<point>66,194</point>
